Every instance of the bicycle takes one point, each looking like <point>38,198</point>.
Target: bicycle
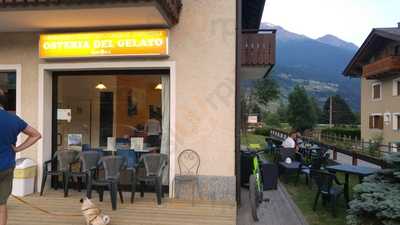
<point>256,186</point>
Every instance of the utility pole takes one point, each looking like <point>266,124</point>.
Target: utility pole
<point>330,111</point>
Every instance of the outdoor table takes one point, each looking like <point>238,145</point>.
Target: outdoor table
<point>360,171</point>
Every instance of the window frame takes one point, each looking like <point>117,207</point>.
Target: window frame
<point>373,127</point>
<point>373,91</point>
<point>397,114</point>
<point>395,87</point>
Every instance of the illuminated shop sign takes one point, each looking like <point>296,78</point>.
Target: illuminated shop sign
<point>98,44</point>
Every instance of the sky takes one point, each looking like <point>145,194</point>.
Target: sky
<point>350,20</point>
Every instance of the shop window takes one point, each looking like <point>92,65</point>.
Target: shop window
<point>396,121</point>
<point>396,87</point>
<point>376,122</point>
<point>377,91</point>
<point>8,85</point>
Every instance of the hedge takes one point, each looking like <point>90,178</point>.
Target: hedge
<point>262,131</point>
<point>340,131</point>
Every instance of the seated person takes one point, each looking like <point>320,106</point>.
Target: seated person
<point>298,139</point>
<point>290,142</point>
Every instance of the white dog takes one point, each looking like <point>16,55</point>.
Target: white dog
<point>93,214</point>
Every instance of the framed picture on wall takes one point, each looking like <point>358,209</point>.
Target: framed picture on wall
<point>132,104</point>
<point>75,141</point>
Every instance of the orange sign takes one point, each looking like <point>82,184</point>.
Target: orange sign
<point>97,44</point>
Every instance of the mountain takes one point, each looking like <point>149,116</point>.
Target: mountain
<point>316,64</point>
<point>337,42</point>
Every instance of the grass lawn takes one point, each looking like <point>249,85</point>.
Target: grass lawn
<point>250,138</point>
<point>303,196</point>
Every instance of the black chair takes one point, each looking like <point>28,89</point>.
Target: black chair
<point>154,165</point>
<point>288,168</point>
<point>189,164</point>
<point>112,165</point>
<point>62,161</point>
<point>271,146</point>
<point>326,188</point>
<point>316,163</point>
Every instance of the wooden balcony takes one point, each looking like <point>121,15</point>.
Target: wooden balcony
<point>258,53</point>
<point>382,68</point>
<point>39,15</point>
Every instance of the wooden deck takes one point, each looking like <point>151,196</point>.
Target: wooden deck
<point>143,212</point>
<point>281,210</point>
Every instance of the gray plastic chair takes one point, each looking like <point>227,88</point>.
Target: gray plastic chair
<point>326,187</point>
<point>112,165</point>
<point>89,163</point>
<point>189,164</point>
<point>154,165</point>
<point>64,159</point>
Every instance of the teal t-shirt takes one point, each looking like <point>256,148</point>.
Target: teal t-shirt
<point>10,127</point>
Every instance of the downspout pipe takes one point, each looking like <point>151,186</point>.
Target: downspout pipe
<point>237,97</point>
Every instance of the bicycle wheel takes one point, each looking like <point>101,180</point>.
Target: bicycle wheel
<point>254,197</point>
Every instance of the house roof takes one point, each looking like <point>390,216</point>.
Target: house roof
<point>377,38</point>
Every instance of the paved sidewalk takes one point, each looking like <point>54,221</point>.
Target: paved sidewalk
<point>281,210</point>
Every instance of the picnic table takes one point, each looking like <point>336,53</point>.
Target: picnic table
<point>360,171</point>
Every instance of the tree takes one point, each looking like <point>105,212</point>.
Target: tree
<point>341,112</point>
<point>317,109</point>
<point>282,112</point>
<point>272,120</point>
<point>256,99</point>
<point>301,112</point>
<point>266,90</point>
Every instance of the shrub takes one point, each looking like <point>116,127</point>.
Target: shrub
<point>262,131</point>
<point>340,131</point>
<point>376,142</point>
<point>377,199</point>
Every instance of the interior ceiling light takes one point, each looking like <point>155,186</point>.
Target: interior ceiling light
<point>158,87</point>
<point>101,86</point>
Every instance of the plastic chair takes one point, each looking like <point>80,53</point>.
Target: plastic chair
<point>326,188</point>
<point>189,164</point>
<point>130,157</point>
<point>306,167</point>
<point>63,159</point>
<point>89,162</point>
<point>154,165</point>
<point>112,165</point>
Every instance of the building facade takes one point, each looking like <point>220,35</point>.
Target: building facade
<point>80,73</point>
<point>377,63</point>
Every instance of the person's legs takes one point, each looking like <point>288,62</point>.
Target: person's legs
<point>6,178</point>
<point>3,214</point>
